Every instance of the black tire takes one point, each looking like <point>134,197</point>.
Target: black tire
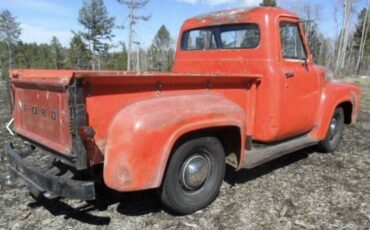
<point>334,133</point>
<point>176,193</point>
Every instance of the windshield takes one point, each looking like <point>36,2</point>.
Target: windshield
<point>245,36</point>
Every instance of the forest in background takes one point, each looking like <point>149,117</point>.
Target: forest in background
<point>92,48</point>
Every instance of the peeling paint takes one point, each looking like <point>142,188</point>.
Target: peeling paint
<point>231,14</point>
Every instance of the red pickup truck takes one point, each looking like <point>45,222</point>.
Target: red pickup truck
<point>243,91</point>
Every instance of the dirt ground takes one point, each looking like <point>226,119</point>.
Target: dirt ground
<point>304,190</point>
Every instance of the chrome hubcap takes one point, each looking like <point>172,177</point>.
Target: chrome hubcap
<point>333,128</point>
<point>195,171</point>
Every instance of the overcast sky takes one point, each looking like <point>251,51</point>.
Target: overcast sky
<point>42,19</point>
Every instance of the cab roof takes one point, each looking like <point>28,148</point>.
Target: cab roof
<point>234,16</point>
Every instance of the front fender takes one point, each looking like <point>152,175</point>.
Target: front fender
<point>142,135</point>
<point>334,94</point>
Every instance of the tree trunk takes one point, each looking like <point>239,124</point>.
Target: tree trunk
<point>131,17</point>
<point>343,44</point>
<point>365,30</point>
<point>98,62</point>
<point>10,55</point>
<point>8,80</point>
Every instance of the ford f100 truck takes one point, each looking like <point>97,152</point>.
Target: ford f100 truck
<point>244,90</point>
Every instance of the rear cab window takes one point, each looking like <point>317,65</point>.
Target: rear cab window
<point>241,36</point>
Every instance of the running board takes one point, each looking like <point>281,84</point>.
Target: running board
<point>256,157</point>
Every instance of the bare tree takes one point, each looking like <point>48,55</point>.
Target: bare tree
<point>133,6</point>
<point>344,36</point>
<point>365,31</point>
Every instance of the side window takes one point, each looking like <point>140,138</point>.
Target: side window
<point>291,41</point>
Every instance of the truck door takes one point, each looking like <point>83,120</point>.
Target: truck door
<point>301,89</point>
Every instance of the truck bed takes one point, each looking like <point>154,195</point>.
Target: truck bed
<point>52,105</point>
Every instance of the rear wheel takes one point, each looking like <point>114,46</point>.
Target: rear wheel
<point>194,175</point>
<point>334,133</point>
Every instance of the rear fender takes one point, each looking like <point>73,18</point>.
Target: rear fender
<point>334,94</point>
<point>142,135</point>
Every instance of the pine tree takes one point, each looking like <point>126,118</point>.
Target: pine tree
<point>118,60</point>
<point>160,53</point>
<point>269,3</point>
<point>98,24</point>
<point>9,32</point>
<point>57,54</point>
<point>78,53</point>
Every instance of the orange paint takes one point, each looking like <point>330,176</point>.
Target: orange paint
<point>138,117</point>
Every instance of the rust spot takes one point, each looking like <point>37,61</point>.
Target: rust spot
<point>232,15</point>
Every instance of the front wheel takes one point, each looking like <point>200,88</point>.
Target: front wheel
<point>194,175</point>
<point>334,133</point>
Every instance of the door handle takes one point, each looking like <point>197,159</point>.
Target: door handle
<point>289,74</point>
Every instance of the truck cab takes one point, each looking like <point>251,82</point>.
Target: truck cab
<point>269,42</point>
<point>244,90</point>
